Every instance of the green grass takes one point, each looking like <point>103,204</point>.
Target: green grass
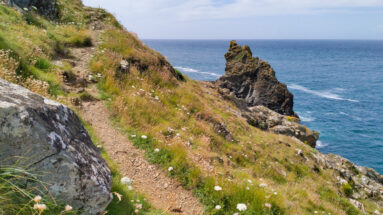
<point>171,100</point>
<point>130,198</point>
<point>191,177</point>
<point>17,198</point>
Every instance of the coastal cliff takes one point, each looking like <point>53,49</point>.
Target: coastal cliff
<point>253,81</point>
<point>231,146</point>
<point>251,84</point>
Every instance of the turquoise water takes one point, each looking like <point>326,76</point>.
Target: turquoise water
<point>338,86</point>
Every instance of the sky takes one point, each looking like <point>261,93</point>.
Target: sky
<point>248,19</point>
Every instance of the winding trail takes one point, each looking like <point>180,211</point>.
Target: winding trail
<point>162,191</point>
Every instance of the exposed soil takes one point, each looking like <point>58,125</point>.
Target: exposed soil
<point>162,191</point>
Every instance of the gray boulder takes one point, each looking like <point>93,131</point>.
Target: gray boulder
<point>47,8</point>
<point>267,119</point>
<point>48,138</point>
<point>366,182</point>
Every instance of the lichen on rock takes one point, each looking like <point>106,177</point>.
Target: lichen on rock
<point>48,138</point>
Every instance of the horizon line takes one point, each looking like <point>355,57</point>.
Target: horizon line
<point>260,39</point>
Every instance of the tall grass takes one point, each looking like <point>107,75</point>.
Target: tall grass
<point>17,196</point>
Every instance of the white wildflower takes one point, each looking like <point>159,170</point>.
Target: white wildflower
<point>133,135</point>
<point>241,207</point>
<point>170,169</point>
<point>217,207</point>
<point>217,188</point>
<point>263,185</point>
<point>126,181</point>
<point>37,199</point>
<point>144,137</point>
<point>275,193</point>
<point>68,208</point>
<point>247,188</point>
<point>130,187</point>
<point>40,207</point>
<point>268,205</point>
<point>156,150</point>
<point>250,181</point>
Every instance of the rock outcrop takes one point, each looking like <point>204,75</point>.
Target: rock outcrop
<point>265,102</point>
<point>48,138</point>
<point>47,8</point>
<point>365,182</point>
<point>253,81</point>
<point>267,119</point>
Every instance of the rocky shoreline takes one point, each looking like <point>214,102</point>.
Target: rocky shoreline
<point>251,85</point>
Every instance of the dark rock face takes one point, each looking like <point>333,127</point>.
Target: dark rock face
<point>47,8</point>
<point>47,137</point>
<point>265,102</point>
<point>253,81</point>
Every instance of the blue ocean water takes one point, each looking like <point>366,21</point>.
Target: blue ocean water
<point>338,85</point>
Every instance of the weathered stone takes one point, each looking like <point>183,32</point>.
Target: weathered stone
<point>47,8</point>
<point>367,183</point>
<point>253,81</point>
<point>48,138</point>
<point>267,119</point>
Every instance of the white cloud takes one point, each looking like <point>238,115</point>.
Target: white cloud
<point>208,9</point>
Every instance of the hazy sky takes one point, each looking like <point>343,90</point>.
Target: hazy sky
<point>248,19</point>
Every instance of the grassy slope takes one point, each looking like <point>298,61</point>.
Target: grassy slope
<point>27,44</point>
<point>201,157</point>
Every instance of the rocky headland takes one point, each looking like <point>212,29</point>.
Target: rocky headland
<point>250,83</point>
<point>265,102</point>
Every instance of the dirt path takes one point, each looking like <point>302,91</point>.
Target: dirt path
<point>163,192</point>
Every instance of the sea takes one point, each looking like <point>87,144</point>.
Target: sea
<point>337,85</point>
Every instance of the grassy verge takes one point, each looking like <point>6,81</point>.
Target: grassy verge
<point>130,200</point>
<point>17,198</point>
<point>172,159</point>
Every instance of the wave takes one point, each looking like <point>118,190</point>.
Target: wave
<point>323,94</point>
<point>306,116</point>
<point>190,70</point>
<point>307,119</point>
<point>320,144</point>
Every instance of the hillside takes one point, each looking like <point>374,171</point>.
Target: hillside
<point>188,147</point>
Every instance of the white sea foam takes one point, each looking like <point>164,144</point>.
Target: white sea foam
<point>324,94</point>
<point>306,118</point>
<point>320,144</point>
<point>190,70</point>
<point>343,113</point>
